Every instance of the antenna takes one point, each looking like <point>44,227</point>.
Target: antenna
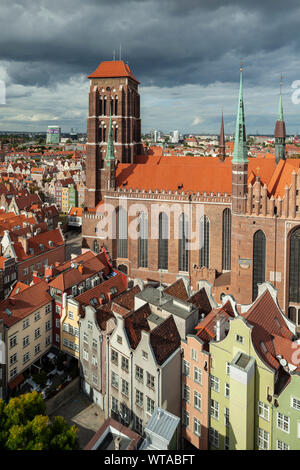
<point>114,55</point>
<point>120,51</point>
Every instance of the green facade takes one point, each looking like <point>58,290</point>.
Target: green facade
<point>247,386</point>
<point>72,196</point>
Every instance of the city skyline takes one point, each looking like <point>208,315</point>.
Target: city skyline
<point>48,53</point>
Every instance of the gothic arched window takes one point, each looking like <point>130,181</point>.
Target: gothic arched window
<point>122,233</point>
<point>204,242</point>
<point>294,267</point>
<point>163,238</point>
<point>100,105</point>
<point>183,255</point>
<point>116,105</point>
<point>143,241</point>
<point>226,240</point>
<point>259,261</point>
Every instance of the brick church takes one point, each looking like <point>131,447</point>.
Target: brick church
<point>249,219</point>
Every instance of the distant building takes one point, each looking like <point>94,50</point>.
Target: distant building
<point>53,135</point>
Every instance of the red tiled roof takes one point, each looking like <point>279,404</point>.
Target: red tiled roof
<point>165,339</point>
<point>111,69</point>
<point>24,303</point>
<point>196,174</point>
<point>178,290</point>
<point>201,301</point>
<point>135,322</point>
<point>35,243</point>
<point>104,288</point>
<point>69,276</point>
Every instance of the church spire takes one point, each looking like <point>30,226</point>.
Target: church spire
<point>280,133</point>
<point>240,153</point>
<point>222,153</point>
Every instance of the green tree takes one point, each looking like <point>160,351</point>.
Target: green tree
<point>24,426</point>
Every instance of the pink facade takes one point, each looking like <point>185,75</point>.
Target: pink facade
<point>195,393</point>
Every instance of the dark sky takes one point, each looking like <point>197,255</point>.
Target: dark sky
<point>185,53</point>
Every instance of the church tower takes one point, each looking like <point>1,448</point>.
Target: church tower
<point>114,102</point>
<point>240,159</point>
<point>280,133</point>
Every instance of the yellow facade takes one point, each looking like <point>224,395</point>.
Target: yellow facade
<point>247,391</point>
<point>69,329</point>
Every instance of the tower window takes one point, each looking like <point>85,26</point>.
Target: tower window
<point>143,241</point>
<point>259,261</point>
<point>226,240</point>
<point>163,228</point>
<point>204,242</point>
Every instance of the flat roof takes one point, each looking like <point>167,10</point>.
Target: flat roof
<point>166,302</point>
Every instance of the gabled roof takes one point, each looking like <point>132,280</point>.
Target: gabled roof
<point>135,323</point>
<point>196,174</point>
<point>206,328</point>
<point>164,340</point>
<point>178,290</point>
<point>201,301</point>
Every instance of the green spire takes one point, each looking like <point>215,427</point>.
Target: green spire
<point>240,153</point>
<point>110,157</point>
<point>280,108</point>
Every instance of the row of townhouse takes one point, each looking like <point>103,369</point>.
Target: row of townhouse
<point>30,317</point>
<point>128,343</point>
<point>25,332</point>
<point>241,378</point>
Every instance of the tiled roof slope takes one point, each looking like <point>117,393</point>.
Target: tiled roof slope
<point>178,290</point>
<point>135,323</point>
<point>202,174</point>
<point>165,339</point>
<point>23,304</point>
<point>201,301</point>
<point>68,276</point>
<point>111,69</point>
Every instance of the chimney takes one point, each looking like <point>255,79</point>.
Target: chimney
<point>220,327</point>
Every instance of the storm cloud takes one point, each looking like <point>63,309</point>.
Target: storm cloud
<point>185,54</point>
